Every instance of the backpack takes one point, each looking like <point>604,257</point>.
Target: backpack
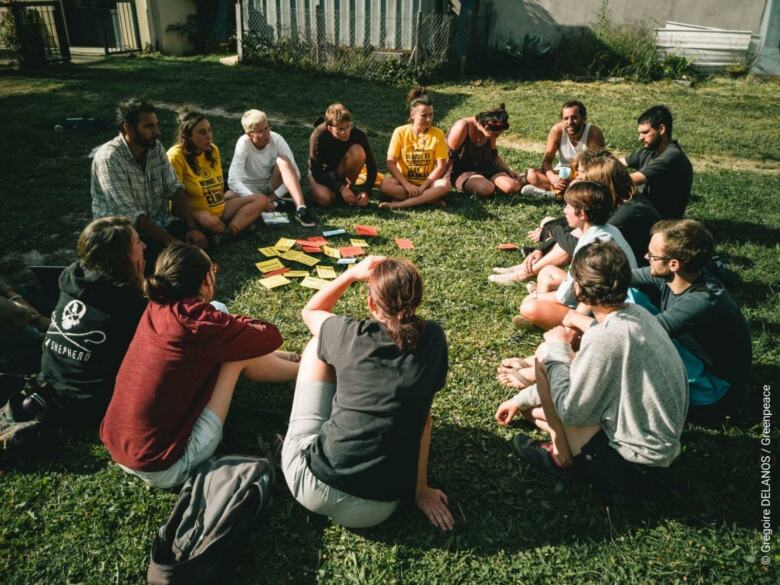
<point>217,507</point>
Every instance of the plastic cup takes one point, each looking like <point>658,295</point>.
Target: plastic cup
<point>564,173</point>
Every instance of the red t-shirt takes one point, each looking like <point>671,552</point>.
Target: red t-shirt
<point>168,375</point>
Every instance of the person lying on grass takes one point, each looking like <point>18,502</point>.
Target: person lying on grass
<point>264,164</point>
<point>588,206</point>
<point>476,166</point>
<point>416,158</point>
<point>341,162</point>
<point>198,167</point>
<point>615,411</point>
<point>633,215</point>
<point>176,382</point>
<point>360,426</point>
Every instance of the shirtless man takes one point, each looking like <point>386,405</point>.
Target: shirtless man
<point>568,138</point>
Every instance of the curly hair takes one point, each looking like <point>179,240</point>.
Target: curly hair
<point>602,274</point>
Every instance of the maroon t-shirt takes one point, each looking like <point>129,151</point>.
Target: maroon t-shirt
<point>168,375</point>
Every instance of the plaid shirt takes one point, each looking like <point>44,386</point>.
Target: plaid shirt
<point>121,186</point>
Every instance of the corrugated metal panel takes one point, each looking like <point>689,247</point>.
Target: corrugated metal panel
<point>709,48</point>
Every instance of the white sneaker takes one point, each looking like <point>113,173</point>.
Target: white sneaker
<point>507,270</point>
<point>534,191</point>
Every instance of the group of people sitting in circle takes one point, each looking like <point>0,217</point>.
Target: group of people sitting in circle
<point>637,329</point>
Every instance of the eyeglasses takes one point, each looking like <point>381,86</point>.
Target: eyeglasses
<point>342,129</point>
<point>652,258</point>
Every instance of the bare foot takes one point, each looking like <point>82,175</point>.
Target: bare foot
<point>514,380</point>
<point>389,205</point>
<point>514,363</point>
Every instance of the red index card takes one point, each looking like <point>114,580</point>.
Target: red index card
<point>317,240</point>
<point>404,244</point>
<point>311,250</point>
<point>347,251</point>
<point>275,272</point>
<point>507,246</point>
<point>366,230</point>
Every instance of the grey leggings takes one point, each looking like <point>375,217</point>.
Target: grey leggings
<point>311,408</point>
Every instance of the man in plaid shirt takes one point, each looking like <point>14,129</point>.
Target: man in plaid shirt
<point>132,177</point>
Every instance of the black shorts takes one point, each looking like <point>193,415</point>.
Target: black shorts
<point>621,480</point>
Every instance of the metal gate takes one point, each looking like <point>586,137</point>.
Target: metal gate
<point>110,25</point>
<point>32,34</point>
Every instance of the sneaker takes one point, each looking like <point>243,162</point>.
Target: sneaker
<point>304,217</point>
<point>539,456</point>
<point>283,205</point>
<point>534,191</point>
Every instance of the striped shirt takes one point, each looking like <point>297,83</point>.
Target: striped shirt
<point>122,186</point>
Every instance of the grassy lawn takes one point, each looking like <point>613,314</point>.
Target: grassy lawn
<point>74,517</point>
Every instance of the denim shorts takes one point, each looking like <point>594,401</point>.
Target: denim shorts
<point>205,437</point>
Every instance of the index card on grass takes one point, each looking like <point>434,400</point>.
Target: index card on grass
<point>336,232</point>
<point>269,252</point>
<point>404,244</point>
<point>274,281</point>
<point>297,274</point>
<point>269,265</point>
<point>366,230</point>
<point>332,252</point>
<point>315,283</point>
<point>507,246</point>
<point>326,272</point>
<point>284,244</point>
<point>358,243</point>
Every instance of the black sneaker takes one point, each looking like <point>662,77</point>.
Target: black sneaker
<point>283,205</point>
<point>304,217</point>
<point>535,454</point>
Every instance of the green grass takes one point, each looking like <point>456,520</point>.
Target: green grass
<point>74,517</point>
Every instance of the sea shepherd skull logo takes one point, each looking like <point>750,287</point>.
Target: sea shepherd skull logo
<point>72,314</point>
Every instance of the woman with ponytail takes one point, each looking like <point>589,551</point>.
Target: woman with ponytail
<point>476,166</point>
<point>360,426</point>
<point>416,158</point>
<point>174,388</point>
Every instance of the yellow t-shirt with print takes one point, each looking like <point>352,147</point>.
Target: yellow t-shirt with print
<point>417,154</point>
<point>205,189</point>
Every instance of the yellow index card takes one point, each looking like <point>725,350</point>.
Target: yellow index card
<point>326,272</point>
<point>315,283</point>
<point>274,281</point>
<point>297,274</point>
<point>332,252</point>
<point>359,243</point>
<point>269,265</point>
<point>284,244</point>
<point>306,259</point>
<point>268,252</point>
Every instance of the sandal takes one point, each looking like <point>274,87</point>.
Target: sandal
<point>516,363</point>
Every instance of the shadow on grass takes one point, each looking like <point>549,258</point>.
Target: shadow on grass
<point>743,232</point>
<point>503,505</point>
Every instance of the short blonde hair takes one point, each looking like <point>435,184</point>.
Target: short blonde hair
<point>252,118</point>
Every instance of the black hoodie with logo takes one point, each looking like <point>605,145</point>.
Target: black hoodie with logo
<point>91,327</point>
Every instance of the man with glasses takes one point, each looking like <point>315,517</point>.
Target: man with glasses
<point>132,177</point>
<point>693,306</point>
<point>263,163</point>
<point>341,162</point>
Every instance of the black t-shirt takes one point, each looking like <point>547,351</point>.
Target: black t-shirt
<point>706,320</point>
<point>91,327</point>
<point>669,178</point>
<point>370,445</point>
<point>634,220</point>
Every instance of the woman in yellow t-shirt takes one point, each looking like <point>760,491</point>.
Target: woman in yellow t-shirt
<point>416,158</point>
<point>199,168</point>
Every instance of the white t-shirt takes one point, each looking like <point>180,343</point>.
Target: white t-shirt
<point>601,233</point>
<point>251,169</point>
